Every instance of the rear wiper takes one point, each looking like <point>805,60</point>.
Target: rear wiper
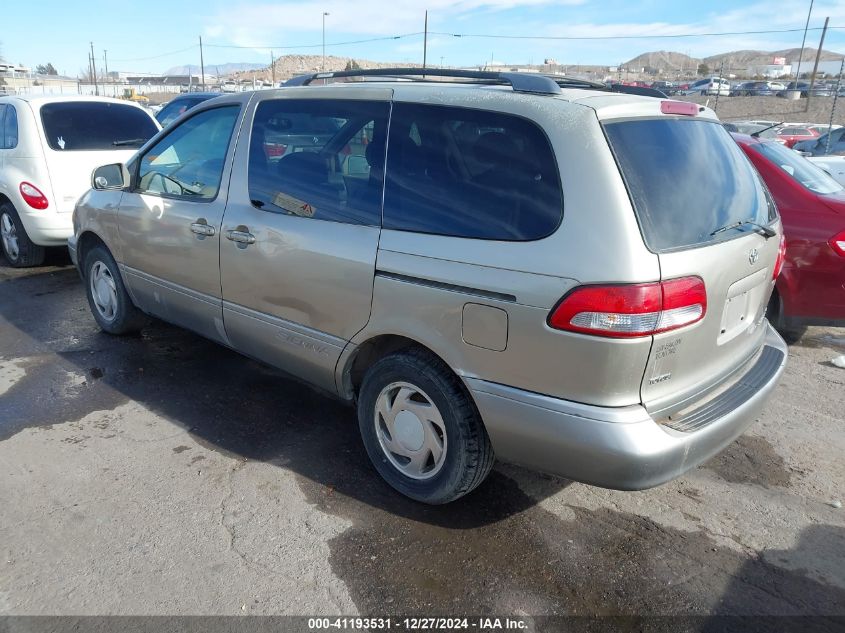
<point>765,129</point>
<point>129,141</point>
<point>765,231</point>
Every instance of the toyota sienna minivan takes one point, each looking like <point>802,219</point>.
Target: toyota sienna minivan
<point>492,266</point>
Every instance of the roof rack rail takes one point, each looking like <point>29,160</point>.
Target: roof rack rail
<point>534,83</point>
<point>520,82</point>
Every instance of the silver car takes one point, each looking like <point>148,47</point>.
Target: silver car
<point>498,266</point>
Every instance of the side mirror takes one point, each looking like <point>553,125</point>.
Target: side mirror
<point>109,177</point>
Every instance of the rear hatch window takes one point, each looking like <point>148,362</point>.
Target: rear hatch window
<point>687,179</point>
<point>799,168</point>
<point>95,125</point>
<point>694,192</point>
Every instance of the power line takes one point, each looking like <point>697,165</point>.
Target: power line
<point>624,37</point>
<point>141,59</point>
<point>328,44</point>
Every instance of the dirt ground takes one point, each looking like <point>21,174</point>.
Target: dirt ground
<point>774,109</point>
<point>163,474</point>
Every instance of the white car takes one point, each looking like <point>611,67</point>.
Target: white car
<point>48,148</point>
<point>833,165</point>
<point>709,86</point>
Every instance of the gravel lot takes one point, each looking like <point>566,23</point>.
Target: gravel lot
<point>162,474</point>
<point>774,109</point>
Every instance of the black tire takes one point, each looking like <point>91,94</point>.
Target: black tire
<point>124,318</point>
<point>28,253</point>
<point>468,456</point>
<point>774,313</point>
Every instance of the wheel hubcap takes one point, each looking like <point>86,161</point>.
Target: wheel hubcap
<point>103,290</point>
<point>9,233</point>
<point>410,430</point>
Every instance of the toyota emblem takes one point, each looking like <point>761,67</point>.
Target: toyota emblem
<point>753,256</point>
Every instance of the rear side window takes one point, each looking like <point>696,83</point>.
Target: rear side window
<point>799,168</point>
<point>95,125</point>
<point>321,159</point>
<point>470,173</point>
<point>10,128</point>
<point>686,178</point>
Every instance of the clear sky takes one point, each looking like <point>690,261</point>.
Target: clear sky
<point>153,36</point>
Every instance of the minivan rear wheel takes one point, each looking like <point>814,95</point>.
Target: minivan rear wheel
<point>19,250</point>
<point>110,303</point>
<point>421,429</point>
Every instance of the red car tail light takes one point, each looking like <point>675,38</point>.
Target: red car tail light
<point>781,257</point>
<point>33,196</point>
<point>837,243</point>
<point>627,311</point>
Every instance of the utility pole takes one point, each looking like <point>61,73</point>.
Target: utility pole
<point>425,40</point>
<point>325,13</point>
<point>273,68</point>
<point>816,66</point>
<point>803,41</point>
<point>106,62</point>
<point>202,65</point>
<point>94,71</point>
<point>833,106</point>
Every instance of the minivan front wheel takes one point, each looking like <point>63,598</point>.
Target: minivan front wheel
<point>107,297</point>
<point>421,429</point>
<point>18,249</point>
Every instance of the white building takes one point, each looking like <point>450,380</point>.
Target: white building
<point>827,67</point>
<point>773,71</point>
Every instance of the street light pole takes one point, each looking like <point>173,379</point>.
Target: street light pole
<point>325,13</point>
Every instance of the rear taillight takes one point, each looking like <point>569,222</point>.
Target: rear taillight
<point>632,310</point>
<point>33,196</point>
<point>837,243</point>
<point>781,257</point>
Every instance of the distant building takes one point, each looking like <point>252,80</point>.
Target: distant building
<point>830,67</point>
<point>772,71</point>
<point>13,70</point>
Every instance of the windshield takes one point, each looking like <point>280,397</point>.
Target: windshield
<point>686,178</point>
<point>95,125</point>
<point>799,168</point>
<point>176,108</point>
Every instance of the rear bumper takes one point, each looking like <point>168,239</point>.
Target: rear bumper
<point>47,228</point>
<point>622,448</point>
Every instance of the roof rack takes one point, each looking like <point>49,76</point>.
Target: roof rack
<point>520,82</point>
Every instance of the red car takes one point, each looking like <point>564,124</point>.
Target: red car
<point>791,134</point>
<point>811,288</point>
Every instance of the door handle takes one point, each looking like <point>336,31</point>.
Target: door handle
<point>241,237</point>
<point>201,228</point>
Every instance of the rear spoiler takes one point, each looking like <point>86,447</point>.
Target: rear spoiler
<point>641,91</point>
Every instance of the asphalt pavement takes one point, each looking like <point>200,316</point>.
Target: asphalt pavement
<point>164,474</point>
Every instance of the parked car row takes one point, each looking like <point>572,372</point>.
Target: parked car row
<point>711,86</point>
<point>403,253</point>
<point>811,139</point>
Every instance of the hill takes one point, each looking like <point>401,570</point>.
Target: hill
<point>665,60</point>
<point>288,66</point>
<point>740,60</point>
<point>213,69</point>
